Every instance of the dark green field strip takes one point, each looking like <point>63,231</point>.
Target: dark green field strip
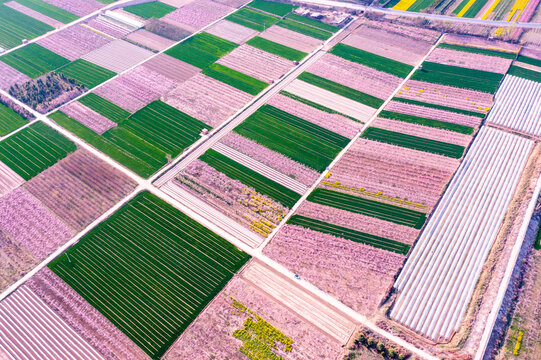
<point>121,145</point>
<point>420,5</point>
<point>529,60</point>
<point>49,10</point>
<point>379,210</point>
<point>16,26</point>
<point>414,142</point>
<point>475,8</point>
<point>391,3</point>
<point>105,107</point>
<point>305,29</point>
<point>149,10</point>
<point>298,139</point>
<point>235,78</point>
<point>427,122</point>
<point>248,177</point>
<point>165,127</point>
<point>150,270</point>
<point>201,50</point>
<point>276,49</point>
<point>86,73</point>
<point>342,90</point>
<point>440,107</point>
<point>350,234</point>
<point>458,77</point>
<point>315,105</point>
<point>9,120</point>
<point>312,22</point>
<point>34,60</point>
<point>272,7</point>
<point>474,50</point>
<point>369,59</point>
<point>34,149</point>
<point>524,73</point>
<point>460,7</point>
<point>253,19</point>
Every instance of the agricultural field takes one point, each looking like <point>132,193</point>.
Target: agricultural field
<point>9,119</point>
<point>235,78</point>
<point>253,19</point>
<point>149,40</point>
<point>117,56</point>
<point>77,7</point>
<point>197,14</point>
<point>181,285</point>
<point>86,73</point>
<point>275,8</point>
<point>16,26</point>
<point>276,49</point>
<point>48,10</point>
<point>149,10</point>
<point>232,31</point>
<point>34,60</point>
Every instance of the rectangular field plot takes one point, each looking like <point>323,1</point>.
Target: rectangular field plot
<point>313,23</point>
<point>9,120</point>
<point>201,50</point>
<point>16,26</point>
<point>49,10</point>
<point>276,49</point>
<point>252,19</point>
<point>272,7</point>
<point>34,149</point>
<point>235,78</point>
<point>86,73</point>
<point>149,10</point>
<point>150,270</point>
<point>118,55</point>
<point>34,60</point>
<point>300,140</point>
<point>308,30</point>
<point>104,107</point>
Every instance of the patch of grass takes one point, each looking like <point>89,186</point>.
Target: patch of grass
<point>427,122</point>
<point>529,60</point>
<point>342,90</point>
<point>34,60</point>
<point>524,73</point>
<point>474,50</point>
<point>374,61</point>
<point>458,77</point>
<point>10,120</point>
<point>376,209</point>
<point>235,78</point>
<point>440,107</point>
<point>313,22</point>
<point>253,19</point>
<point>149,10</point>
<point>150,270</point>
<point>276,49</point>
<point>315,105</point>
<point>414,142</point>
<point>34,149</point>
<point>16,26</point>
<point>296,138</point>
<point>86,73</point>
<point>272,7</point>
<point>305,29</point>
<point>350,234</point>
<point>250,178</point>
<point>201,50</point>
<point>104,107</point>
<point>49,10</point>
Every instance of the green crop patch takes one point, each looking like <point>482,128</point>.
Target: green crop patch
<point>86,73</point>
<point>376,209</point>
<point>312,22</point>
<point>440,107</point>
<point>165,127</point>
<point>9,120</point>
<point>414,142</point>
<point>104,107</point>
<point>369,59</point>
<point>427,122</point>
<point>272,7</point>
<point>475,50</point>
<point>296,138</point>
<point>529,60</point>
<point>34,60</point>
<point>342,90</point>
<point>149,10</point>
<point>253,19</point>
<point>276,49</point>
<point>248,177</point>
<point>49,10</point>
<point>458,77</point>
<point>235,78</point>
<point>201,50</point>
<point>524,73</point>
<point>350,234</point>
<point>305,29</point>
<point>150,270</point>
<point>16,26</point>
<point>34,149</point>
<point>419,5</point>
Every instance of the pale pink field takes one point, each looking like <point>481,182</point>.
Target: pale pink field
<point>435,114</point>
<point>291,39</point>
<point>118,55</point>
<point>422,131</point>
<point>354,273</point>
<point>469,60</point>
<point>397,172</point>
<point>367,224</point>
<point>402,31</point>
<point>88,117</point>
<point>470,40</point>
<point>355,76</point>
<point>447,96</point>
<point>257,63</point>
<point>275,160</point>
<point>149,39</point>
<point>77,7</point>
<point>207,99</point>
<point>34,14</point>
<point>333,122</point>
<point>221,319</point>
<point>232,3</point>
<point>82,317</point>
<point>9,179</point>
<point>232,31</point>
<point>15,261</point>
<point>198,14</point>
<point>99,23</point>
<point>173,69</point>
<point>9,76</point>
